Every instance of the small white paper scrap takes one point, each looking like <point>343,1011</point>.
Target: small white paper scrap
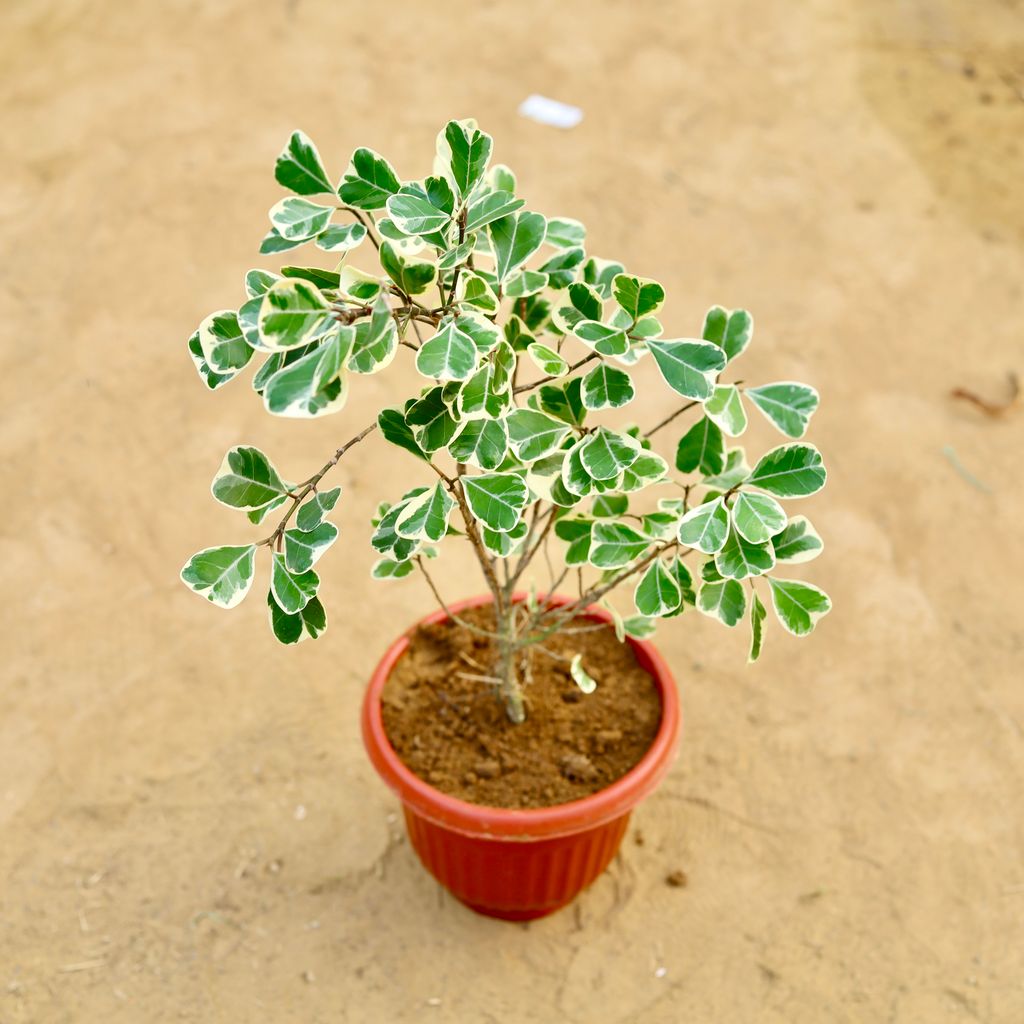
<point>545,110</point>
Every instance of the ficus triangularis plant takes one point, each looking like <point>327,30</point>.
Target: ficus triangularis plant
<point>525,345</point>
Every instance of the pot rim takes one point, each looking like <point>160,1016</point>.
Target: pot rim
<point>505,823</point>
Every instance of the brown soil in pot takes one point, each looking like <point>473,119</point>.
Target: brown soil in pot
<point>451,730</point>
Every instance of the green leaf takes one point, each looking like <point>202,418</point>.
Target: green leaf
<point>258,282</point>
<point>723,600</point>
<point>547,359</point>
<point>211,379</point>
<point>293,313</point>
<point>450,354</point>
<point>739,558</point>
<point>222,344</point>
<point>385,538</point>
<point>605,387</point>
<point>706,527</point>
<point>299,168</point>
<point>657,593</point>
<point>222,575</point>
<point>368,182</point>
<point>314,275</point>
<point>586,300</point>
<point>515,239</point>
<point>715,322</point>
<point>798,542</point>
<point>504,544</point>
<point>432,416</point>
<point>637,296</point>
<point>247,479</point>
<point>757,517</point>
<point>501,178</point>
<point>563,401</point>
<point>308,623</point>
<point>564,232</point>
<point>790,471</point>
<point>701,447</point>
<point>689,367</point>
<point>575,477</point>
<point>413,276</point>
<point>457,255</point>
<point>757,617</point>
<point>291,592</point>
<point>525,283</point>
<point>639,627</point>
<point>297,219</point>
<point>312,385</point>
<point>496,499</point>
<point>489,207</point>
<point>608,341</point>
<point>709,572</point>
<point>340,237</point>
<point>311,514</point>
<point>376,340</point>
<point>395,429</point>
<point>577,534</point>
<point>579,674</point>
<point>273,242</point>
<point>482,443</point>
<point>486,337</point>
<point>303,548</point>
<point>610,506</point>
<point>734,472</point>
<point>605,453</point>
<point>684,578</point>
<point>359,286</point>
<point>257,515</point>
<point>416,215</point>
<point>738,333</point>
<point>786,404</point>
<point>798,605</point>
<point>563,267</point>
<point>465,150</point>
<point>731,331</point>
<point>725,408</point>
<point>426,516</point>
<point>475,291</point>
<point>648,469</point>
<point>534,434</point>
<point>389,569</point>
<point>601,274</point>
<point>616,544</point>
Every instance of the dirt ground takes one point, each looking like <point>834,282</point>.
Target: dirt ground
<point>189,829</point>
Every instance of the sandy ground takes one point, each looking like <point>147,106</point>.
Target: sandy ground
<point>188,827</point>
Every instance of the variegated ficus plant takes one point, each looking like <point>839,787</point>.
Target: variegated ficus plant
<point>525,346</point>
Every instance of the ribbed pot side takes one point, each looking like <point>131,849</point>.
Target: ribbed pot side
<point>519,864</point>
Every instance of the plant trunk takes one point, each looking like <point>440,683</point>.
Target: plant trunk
<point>510,688</point>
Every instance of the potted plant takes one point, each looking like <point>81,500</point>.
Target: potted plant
<point>520,728</point>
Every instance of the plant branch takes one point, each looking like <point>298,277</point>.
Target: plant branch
<point>556,376</point>
<point>668,419</point>
<point>458,620</point>
<point>367,223</point>
<point>310,485</point>
<point>561,616</point>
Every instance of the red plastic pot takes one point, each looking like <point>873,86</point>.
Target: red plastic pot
<point>519,864</point>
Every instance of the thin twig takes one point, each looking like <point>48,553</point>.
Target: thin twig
<point>668,419</point>
<point>310,485</point>
<point>555,376</point>
<point>451,615</point>
<point>368,225</point>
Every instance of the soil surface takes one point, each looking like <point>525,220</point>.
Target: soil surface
<point>189,828</point>
<point>451,730</point>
